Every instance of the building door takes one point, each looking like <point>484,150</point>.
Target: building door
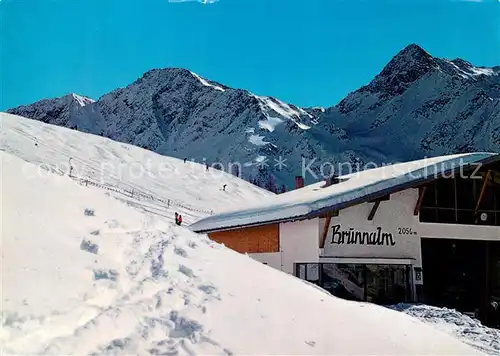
<point>493,311</point>
<point>455,274</point>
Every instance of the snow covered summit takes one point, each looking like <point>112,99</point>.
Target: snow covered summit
<point>88,270</point>
<point>82,100</point>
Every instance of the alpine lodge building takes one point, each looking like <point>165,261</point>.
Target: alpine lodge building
<point>426,231</point>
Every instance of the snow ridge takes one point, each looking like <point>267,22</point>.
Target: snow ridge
<point>82,100</point>
<point>468,71</point>
<point>207,84</point>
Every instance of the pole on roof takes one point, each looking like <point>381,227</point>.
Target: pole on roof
<point>421,194</point>
<point>374,210</point>
<point>483,189</point>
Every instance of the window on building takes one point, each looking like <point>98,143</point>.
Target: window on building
<point>428,210</point>
<point>428,214</point>
<point>345,281</point>
<point>445,191</point>
<point>464,199</point>
<point>467,200</point>
<point>447,215</point>
<point>467,217</point>
<point>430,195</point>
<point>381,284</point>
<point>387,284</point>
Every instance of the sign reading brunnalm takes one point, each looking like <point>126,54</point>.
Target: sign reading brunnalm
<point>353,237</point>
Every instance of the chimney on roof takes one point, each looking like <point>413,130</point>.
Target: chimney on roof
<point>299,182</point>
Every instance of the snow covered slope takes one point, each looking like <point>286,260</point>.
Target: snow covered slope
<point>141,178</point>
<point>85,274</point>
<point>418,106</point>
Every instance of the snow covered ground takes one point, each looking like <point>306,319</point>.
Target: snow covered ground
<point>469,330</point>
<point>88,270</point>
<point>144,179</point>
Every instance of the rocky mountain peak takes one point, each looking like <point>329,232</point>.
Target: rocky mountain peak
<point>177,77</point>
<point>406,67</point>
<point>462,64</point>
<point>171,71</point>
<point>79,99</point>
<point>412,53</point>
<point>62,111</point>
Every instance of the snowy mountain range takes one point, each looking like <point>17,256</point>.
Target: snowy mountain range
<point>417,106</point>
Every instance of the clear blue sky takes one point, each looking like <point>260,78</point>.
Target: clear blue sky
<point>307,52</point>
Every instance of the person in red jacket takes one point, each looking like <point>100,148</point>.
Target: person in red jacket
<point>178,219</point>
